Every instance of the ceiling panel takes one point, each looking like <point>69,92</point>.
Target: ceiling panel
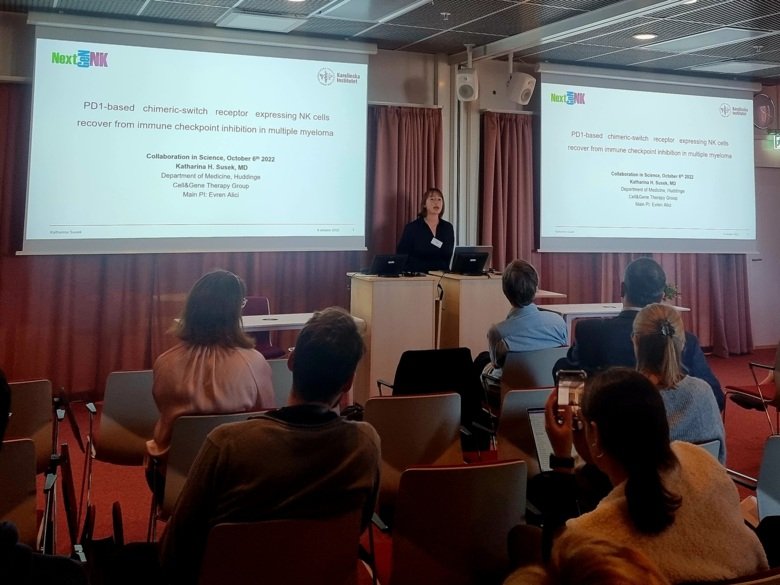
<point>721,13</point>
<point>332,26</point>
<point>282,7</point>
<point>119,7</point>
<point>580,5</point>
<point>665,29</point>
<point>185,12</point>
<point>451,42</point>
<point>517,19</point>
<point>458,12</point>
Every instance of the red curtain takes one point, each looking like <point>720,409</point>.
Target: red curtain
<point>74,319</point>
<point>714,286</point>
<point>405,159</point>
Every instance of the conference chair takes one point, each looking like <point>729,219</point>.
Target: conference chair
<point>126,422</point>
<point>322,551</point>
<point>452,523</point>
<point>414,430</point>
<point>18,499</point>
<point>260,306</point>
<point>187,437</point>
<point>515,437</point>
<point>530,369</point>
<point>427,371</point>
<point>759,397</point>
<point>768,484</point>
<point>281,378</point>
<point>712,447</point>
<point>32,417</point>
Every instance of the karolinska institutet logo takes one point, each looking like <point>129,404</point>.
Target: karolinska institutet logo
<point>327,77</point>
<point>727,110</point>
<point>81,58</point>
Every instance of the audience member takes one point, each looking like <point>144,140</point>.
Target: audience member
<point>580,560</point>
<point>301,461</point>
<point>601,343</point>
<point>19,564</point>
<point>526,328</point>
<point>214,368</point>
<point>691,408</point>
<point>672,501</point>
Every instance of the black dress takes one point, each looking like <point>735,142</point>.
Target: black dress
<point>417,243</point>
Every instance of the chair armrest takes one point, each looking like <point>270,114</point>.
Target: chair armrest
<point>761,366</point>
<point>742,479</point>
<point>380,383</point>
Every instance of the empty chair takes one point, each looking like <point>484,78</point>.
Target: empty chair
<point>32,418</point>
<point>758,396</point>
<point>515,437</point>
<point>322,551</point>
<point>414,430</point>
<point>452,523</point>
<point>260,306</point>
<point>281,378</point>
<point>427,371</point>
<point>712,447</point>
<point>530,369</point>
<point>126,422</point>
<point>17,488</point>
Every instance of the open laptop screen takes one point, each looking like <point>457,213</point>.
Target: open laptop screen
<point>387,264</point>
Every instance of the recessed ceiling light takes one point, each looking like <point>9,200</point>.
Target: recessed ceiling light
<point>305,1</point>
<point>645,36</point>
<point>690,1</point>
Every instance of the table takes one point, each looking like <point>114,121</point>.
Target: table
<point>586,310</point>
<point>278,322</point>
<point>470,305</point>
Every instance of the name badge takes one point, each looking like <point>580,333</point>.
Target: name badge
<point>437,243</point>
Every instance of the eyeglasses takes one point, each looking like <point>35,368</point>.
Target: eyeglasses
<point>243,302</point>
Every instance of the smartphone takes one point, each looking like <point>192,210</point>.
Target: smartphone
<point>570,385</point>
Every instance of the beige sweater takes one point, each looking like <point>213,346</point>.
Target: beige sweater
<point>708,540</point>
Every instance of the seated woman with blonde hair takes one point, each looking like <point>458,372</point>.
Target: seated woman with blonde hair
<point>579,560</point>
<point>691,408</point>
<point>671,501</point>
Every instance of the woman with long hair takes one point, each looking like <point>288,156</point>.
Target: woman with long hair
<point>214,368</point>
<point>671,501</point>
<point>691,408</point>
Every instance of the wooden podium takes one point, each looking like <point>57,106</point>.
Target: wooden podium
<point>470,305</point>
<point>399,315</point>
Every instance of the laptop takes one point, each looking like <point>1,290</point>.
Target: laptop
<point>470,260</point>
<point>387,265</point>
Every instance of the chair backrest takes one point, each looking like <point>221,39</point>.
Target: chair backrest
<point>323,551</point>
<point>776,397</point>
<point>431,371</point>
<point>414,430</point>
<point>32,418</point>
<point>768,484</point>
<point>712,447</point>
<point>530,369</point>
<point>452,523</point>
<point>127,418</point>
<point>17,487</point>
<point>514,437</point>
<point>187,437</point>
<point>281,377</point>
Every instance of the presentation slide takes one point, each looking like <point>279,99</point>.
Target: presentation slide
<point>625,170</point>
<point>138,149</point>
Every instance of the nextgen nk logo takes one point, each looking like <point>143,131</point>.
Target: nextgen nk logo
<point>81,58</point>
<point>570,98</point>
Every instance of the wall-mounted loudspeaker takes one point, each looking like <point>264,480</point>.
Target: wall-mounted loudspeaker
<point>466,84</point>
<point>521,87</point>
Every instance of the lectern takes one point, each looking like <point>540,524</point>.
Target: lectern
<point>399,315</point>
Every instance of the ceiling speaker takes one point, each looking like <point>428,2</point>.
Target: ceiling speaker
<point>521,87</point>
<point>466,85</point>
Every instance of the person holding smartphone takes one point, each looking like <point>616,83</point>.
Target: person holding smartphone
<point>670,500</point>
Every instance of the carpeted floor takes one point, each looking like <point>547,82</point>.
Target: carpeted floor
<point>745,435</point>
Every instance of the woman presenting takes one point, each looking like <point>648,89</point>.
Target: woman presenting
<point>429,239</point>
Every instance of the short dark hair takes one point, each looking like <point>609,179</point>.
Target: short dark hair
<point>428,192</point>
<point>212,312</point>
<point>5,404</point>
<point>644,282</point>
<point>327,352</point>
<point>519,283</point>
<point>634,431</point>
